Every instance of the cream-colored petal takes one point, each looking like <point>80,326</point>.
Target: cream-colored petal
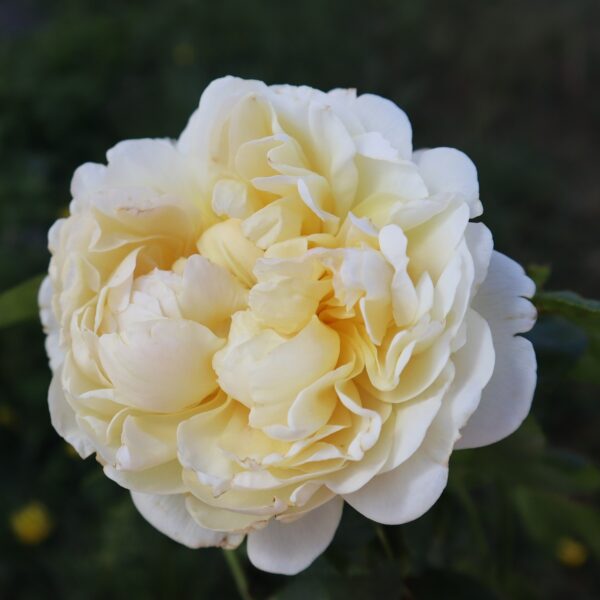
<point>380,115</point>
<point>474,365</point>
<point>148,441</point>
<point>165,479</point>
<point>153,163</point>
<point>87,179</point>
<point>287,294</point>
<point>503,301</point>
<point>403,494</point>
<point>333,151</point>
<point>370,447</point>
<point>288,548</point>
<point>226,246</point>
<point>412,420</point>
<point>169,515</point>
<point>310,410</point>
<point>480,243</point>
<point>409,490</point>
<point>200,138</point>
<point>393,245</point>
<point>260,367</point>
<point>278,221</point>
<point>161,365</point>
<point>54,350</point>
<point>399,180</point>
<point>450,170</point>
<point>198,443</point>
<point>209,293</point>
<point>432,244</point>
<point>231,198</point>
<point>63,419</point>
<point>220,519</point>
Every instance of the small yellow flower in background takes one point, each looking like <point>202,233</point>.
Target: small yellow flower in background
<point>571,553</point>
<point>7,416</point>
<point>31,524</point>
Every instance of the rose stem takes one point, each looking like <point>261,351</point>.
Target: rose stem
<point>384,541</point>
<point>237,572</point>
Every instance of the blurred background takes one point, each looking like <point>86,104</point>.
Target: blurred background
<point>514,84</point>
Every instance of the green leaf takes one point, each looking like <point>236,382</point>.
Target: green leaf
<point>584,313</point>
<point>569,305</point>
<point>539,274</point>
<point>20,303</point>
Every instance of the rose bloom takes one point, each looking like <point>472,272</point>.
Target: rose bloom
<point>284,310</point>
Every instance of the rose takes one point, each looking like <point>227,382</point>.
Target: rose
<point>284,310</point>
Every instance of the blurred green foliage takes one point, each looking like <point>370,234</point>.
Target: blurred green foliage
<point>515,84</point>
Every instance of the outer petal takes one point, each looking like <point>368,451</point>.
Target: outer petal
<point>481,245</point>
<point>170,516</point>
<point>152,162</point>
<point>62,417</point>
<point>403,494</point>
<point>216,102</point>
<point>87,179</point>
<point>291,547</point>
<point>450,170</point>
<point>383,116</point>
<point>55,353</point>
<point>506,400</point>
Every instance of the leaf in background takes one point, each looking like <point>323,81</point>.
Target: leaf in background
<point>539,274</point>
<point>549,517</point>
<point>524,459</point>
<point>569,305</point>
<point>20,303</point>
<point>583,312</point>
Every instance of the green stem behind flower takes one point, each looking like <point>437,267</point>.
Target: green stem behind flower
<point>385,543</point>
<point>238,574</point>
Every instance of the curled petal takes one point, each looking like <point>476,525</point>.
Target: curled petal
<point>209,293</point>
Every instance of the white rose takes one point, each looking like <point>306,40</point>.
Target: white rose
<point>285,310</point>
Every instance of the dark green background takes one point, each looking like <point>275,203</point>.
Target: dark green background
<point>515,84</point>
